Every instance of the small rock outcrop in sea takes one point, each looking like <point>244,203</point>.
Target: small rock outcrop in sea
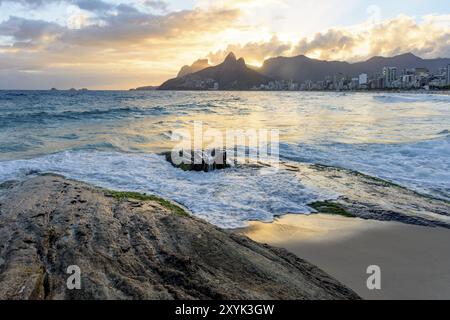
<point>200,160</point>
<point>134,246</point>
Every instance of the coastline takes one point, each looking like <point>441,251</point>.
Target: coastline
<point>414,260</point>
<point>373,222</point>
<point>57,221</point>
<point>377,91</point>
<point>66,215</point>
<point>413,92</point>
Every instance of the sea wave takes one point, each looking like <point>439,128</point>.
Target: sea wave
<point>227,198</point>
<point>23,116</point>
<point>113,113</point>
<point>100,137</point>
<point>423,166</point>
<point>412,98</point>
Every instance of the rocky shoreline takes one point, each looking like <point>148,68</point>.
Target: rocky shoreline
<point>367,197</point>
<point>131,246</point>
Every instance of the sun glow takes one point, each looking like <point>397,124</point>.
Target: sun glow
<point>157,41</point>
<point>254,63</point>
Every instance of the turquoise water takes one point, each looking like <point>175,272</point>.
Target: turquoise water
<point>113,139</point>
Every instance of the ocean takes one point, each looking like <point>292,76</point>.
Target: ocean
<point>114,139</point>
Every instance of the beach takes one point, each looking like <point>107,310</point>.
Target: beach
<point>138,238</point>
<point>414,260</point>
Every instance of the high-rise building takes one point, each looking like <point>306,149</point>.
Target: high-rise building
<point>390,76</point>
<point>363,79</point>
<point>448,75</point>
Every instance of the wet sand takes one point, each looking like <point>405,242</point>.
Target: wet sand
<point>414,260</point>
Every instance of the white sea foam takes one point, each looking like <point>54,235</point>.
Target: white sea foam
<point>227,198</point>
<point>423,166</point>
<point>399,137</point>
<point>408,98</point>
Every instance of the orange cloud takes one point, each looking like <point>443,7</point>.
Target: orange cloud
<point>122,42</point>
<point>428,38</point>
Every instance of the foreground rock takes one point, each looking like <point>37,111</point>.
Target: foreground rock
<point>144,248</point>
<point>371,198</point>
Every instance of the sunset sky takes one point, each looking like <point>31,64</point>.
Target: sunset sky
<point>119,44</point>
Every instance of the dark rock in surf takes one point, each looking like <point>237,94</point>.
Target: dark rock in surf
<point>201,160</point>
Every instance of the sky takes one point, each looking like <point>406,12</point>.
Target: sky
<point>122,44</point>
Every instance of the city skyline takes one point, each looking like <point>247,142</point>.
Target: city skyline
<point>123,44</point>
<point>300,73</point>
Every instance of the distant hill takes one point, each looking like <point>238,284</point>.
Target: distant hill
<point>403,61</point>
<point>146,88</point>
<point>232,74</point>
<point>195,67</point>
<point>301,68</point>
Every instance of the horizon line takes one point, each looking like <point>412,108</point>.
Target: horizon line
<point>231,52</point>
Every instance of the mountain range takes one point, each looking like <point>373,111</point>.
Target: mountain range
<point>302,68</point>
<point>231,74</point>
<point>234,74</point>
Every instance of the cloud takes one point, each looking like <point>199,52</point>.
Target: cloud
<point>130,26</point>
<point>118,39</point>
<point>142,39</point>
<point>328,45</point>
<point>27,30</point>
<point>30,3</point>
<point>120,24</point>
<point>253,51</point>
<point>88,5</point>
<point>93,5</point>
<point>157,5</point>
<point>428,38</point>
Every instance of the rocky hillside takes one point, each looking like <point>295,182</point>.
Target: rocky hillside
<point>232,74</point>
<point>301,68</point>
<point>132,246</point>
